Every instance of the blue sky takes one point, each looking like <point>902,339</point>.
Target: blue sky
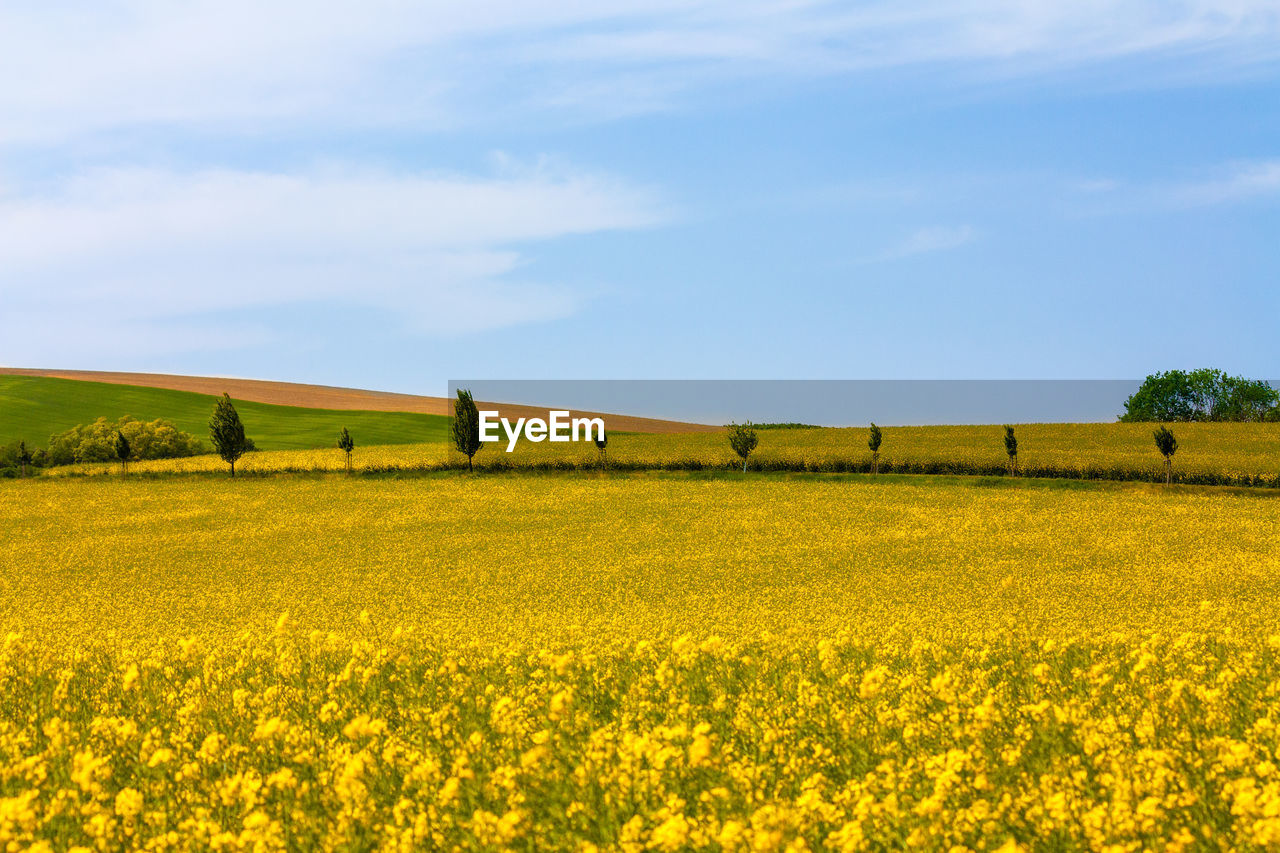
<point>392,194</point>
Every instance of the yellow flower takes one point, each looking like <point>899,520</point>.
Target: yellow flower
<point>362,727</point>
<point>128,803</point>
<point>160,756</point>
<point>671,834</point>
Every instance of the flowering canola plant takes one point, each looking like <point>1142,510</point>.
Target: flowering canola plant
<point>636,663</point>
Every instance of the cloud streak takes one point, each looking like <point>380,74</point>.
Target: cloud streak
<point>1239,182</point>
<point>926,241</point>
<point>69,69</point>
<point>150,249</point>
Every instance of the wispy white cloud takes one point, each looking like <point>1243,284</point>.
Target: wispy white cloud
<point>932,239</point>
<point>70,68</point>
<point>441,254</point>
<point>1237,182</point>
<point>1225,184</point>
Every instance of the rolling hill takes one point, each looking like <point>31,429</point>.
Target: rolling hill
<point>35,404</point>
<point>34,407</point>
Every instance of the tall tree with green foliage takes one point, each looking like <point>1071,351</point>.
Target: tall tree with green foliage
<point>227,432</point>
<point>743,440</point>
<point>122,451</point>
<point>466,426</point>
<point>347,445</point>
<point>1201,395</point>
<point>602,442</point>
<point>1167,445</point>
<point>1011,449</point>
<point>873,442</point>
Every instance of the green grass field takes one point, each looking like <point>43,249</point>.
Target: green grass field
<point>33,407</point>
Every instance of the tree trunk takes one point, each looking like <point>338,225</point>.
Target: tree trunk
<point>233,469</point>
<point>1168,471</point>
<point>744,464</point>
<point>470,468</point>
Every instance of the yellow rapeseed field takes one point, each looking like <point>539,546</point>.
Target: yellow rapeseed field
<point>637,662</point>
<point>1237,453</point>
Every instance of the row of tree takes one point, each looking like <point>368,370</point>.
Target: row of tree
<point>743,440</point>
<point>130,439</point>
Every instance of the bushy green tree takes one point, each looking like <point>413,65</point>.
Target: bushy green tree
<point>1011,449</point>
<point>122,451</point>
<point>466,426</point>
<point>16,456</point>
<point>1167,445</point>
<point>743,440</point>
<point>1201,395</point>
<point>227,432</point>
<point>873,442</point>
<point>1247,400</point>
<point>1163,396</point>
<point>96,442</point>
<point>347,445</point>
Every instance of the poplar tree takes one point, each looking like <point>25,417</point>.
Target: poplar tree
<point>1011,448</point>
<point>227,433</point>
<point>873,442</point>
<point>347,445</point>
<point>122,451</point>
<point>466,426</point>
<point>1167,445</point>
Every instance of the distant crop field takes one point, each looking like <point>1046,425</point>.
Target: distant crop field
<point>34,407</point>
<point>637,662</point>
<point>1225,453</point>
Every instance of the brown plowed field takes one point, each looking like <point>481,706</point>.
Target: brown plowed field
<point>327,397</point>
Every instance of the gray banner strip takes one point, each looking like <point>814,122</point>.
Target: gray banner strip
<point>836,402</point>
